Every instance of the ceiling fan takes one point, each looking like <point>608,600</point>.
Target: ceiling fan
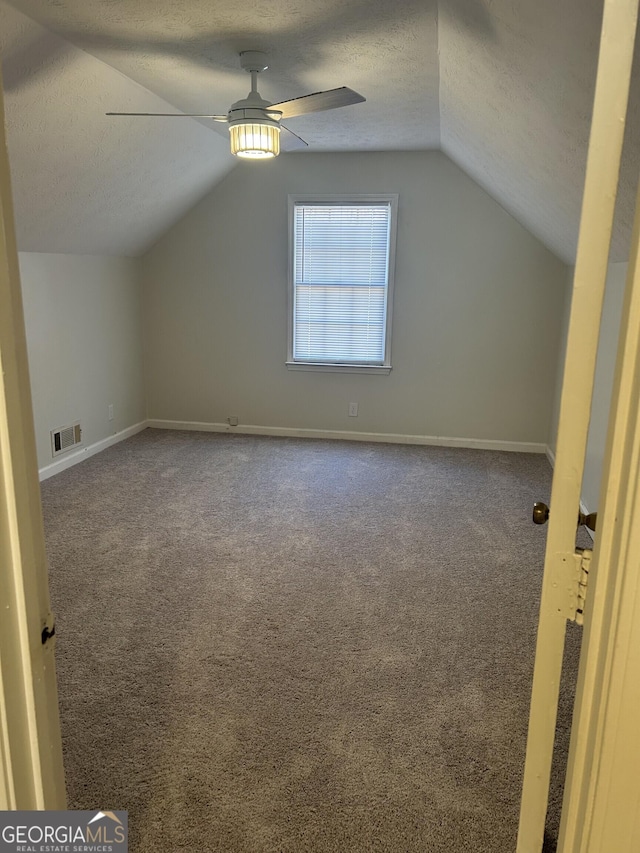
<point>255,124</point>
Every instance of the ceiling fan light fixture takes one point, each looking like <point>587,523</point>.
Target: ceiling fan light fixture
<point>255,139</point>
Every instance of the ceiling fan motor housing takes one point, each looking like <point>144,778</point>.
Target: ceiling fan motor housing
<point>253,108</point>
<point>255,102</point>
<point>238,115</point>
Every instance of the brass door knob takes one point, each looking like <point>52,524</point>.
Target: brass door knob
<point>540,513</point>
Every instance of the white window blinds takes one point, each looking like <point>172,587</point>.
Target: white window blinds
<point>340,282</point>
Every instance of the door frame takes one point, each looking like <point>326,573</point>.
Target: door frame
<point>601,807</point>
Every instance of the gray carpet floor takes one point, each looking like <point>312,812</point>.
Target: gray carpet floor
<point>280,645</point>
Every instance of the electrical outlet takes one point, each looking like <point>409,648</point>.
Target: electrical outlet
<point>110,410</point>
<point>232,421</point>
<point>353,410</point>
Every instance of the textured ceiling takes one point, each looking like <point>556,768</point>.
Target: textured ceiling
<point>515,113</point>
<point>504,87</point>
<point>82,184</point>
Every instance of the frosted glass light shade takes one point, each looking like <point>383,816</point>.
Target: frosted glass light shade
<point>255,140</point>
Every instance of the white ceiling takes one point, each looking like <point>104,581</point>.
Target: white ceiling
<point>515,112</point>
<point>503,87</point>
<point>83,184</point>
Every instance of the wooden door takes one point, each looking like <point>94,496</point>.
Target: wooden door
<point>31,774</point>
<point>562,564</point>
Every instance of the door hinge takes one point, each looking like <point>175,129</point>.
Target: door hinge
<point>578,592</point>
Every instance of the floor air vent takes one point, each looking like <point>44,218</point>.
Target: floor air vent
<point>65,438</point>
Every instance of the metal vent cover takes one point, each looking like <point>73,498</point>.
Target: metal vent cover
<point>65,438</point>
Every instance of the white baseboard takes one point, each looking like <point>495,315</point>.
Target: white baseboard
<point>349,435</point>
<point>291,432</point>
<point>583,507</point>
<point>85,452</point>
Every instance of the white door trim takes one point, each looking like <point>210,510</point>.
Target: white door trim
<point>601,809</point>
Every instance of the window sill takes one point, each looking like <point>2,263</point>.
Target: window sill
<point>317,367</point>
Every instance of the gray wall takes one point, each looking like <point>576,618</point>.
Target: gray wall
<point>559,374</point>
<point>477,310</point>
<point>603,380</point>
<point>83,323</point>
<point>603,384</point>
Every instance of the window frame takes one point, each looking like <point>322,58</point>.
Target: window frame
<point>343,199</point>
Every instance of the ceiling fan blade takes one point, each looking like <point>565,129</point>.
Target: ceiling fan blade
<point>173,115</point>
<point>318,101</point>
<point>290,141</point>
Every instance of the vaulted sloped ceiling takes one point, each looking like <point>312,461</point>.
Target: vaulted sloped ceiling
<point>503,87</point>
<point>515,112</point>
<point>82,184</point>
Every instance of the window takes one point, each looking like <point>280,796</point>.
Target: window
<point>341,282</point>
